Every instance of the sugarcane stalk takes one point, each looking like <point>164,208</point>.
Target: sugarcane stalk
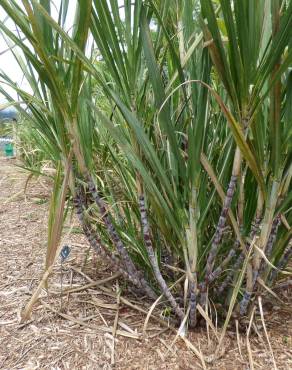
<point>230,275</point>
<point>213,275</point>
<point>192,244</point>
<point>248,291</point>
<point>222,220</point>
<point>273,235</point>
<point>93,238</point>
<point>287,254</point>
<point>130,267</point>
<point>96,244</point>
<point>193,301</point>
<point>262,243</point>
<point>240,259</point>
<point>271,240</point>
<point>223,264</point>
<point>250,282</point>
<point>217,237</point>
<point>283,261</point>
<point>221,224</point>
<point>244,302</point>
<point>268,249</point>
<point>111,229</point>
<point>98,247</point>
<point>153,259</point>
<point>241,198</point>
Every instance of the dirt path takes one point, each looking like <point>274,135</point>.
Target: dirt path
<point>82,338</point>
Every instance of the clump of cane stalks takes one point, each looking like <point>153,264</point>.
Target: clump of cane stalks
<point>170,128</point>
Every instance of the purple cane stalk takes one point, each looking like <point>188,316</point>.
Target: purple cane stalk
<point>239,262</point>
<point>272,237</point>
<point>271,241</point>
<point>96,244</point>
<point>193,302</point>
<point>213,276</point>
<point>130,267</point>
<point>111,229</point>
<point>221,225</point>
<point>244,302</point>
<point>283,261</point>
<point>153,260</point>
<point>218,236</point>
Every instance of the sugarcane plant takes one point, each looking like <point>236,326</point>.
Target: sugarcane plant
<point>169,124</point>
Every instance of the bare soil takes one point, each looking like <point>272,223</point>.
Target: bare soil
<point>93,327</point>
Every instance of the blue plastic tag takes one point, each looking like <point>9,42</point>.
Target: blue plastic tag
<point>65,252</point>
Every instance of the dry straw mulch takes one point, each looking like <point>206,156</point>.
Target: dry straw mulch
<point>83,322</point>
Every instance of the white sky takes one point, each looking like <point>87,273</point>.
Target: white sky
<point>7,61</point>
